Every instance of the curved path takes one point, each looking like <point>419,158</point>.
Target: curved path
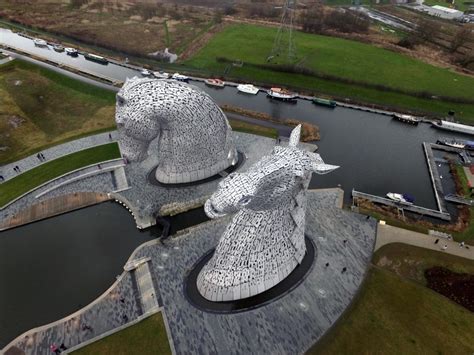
<point>57,151</point>
<point>388,234</point>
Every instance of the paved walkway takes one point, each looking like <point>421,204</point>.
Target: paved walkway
<point>119,306</point>
<point>388,234</point>
<point>32,161</point>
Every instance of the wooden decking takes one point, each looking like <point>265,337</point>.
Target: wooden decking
<point>53,207</point>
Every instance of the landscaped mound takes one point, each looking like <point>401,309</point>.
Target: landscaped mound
<point>457,287</point>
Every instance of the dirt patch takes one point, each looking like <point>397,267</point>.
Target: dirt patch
<point>196,45</point>
<point>457,287</point>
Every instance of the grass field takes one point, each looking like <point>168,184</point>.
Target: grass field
<point>39,108</point>
<point>246,127</point>
<point>341,58</point>
<point>396,316</point>
<point>410,262</point>
<point>145,338</point>
<point>28,180</point>
<point>134,28</point>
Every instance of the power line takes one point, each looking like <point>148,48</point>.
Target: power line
<point>284,45</point>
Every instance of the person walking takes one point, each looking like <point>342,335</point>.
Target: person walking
<point>2,178</point>
<point>110,136</point>
<point>42,156</point>
<point>436,241</point>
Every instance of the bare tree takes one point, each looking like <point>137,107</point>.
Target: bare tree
<point>462,36</point>
<point>312,21</point>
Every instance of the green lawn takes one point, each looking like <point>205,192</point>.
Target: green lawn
<point>145,338</point>
<point>246,127</point>
<point>342,58</point>
<point>28,180</point>
<point>40,108</point>
<point>396,316</point>
<point>410,262</point>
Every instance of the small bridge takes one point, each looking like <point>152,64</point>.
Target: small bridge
<point>406,207</point>
<point>459,199</point>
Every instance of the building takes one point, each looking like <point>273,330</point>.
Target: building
<point>443,12</point>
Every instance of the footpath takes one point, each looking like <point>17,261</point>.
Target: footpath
<point>7,171</point>
<point>388,234</point>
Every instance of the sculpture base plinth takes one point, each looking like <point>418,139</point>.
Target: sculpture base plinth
<point>289,283</point>
<point>152,175</point>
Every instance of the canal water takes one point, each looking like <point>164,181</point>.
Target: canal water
<point>52,268</point>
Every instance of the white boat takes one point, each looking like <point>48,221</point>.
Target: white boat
<point>400,198</point>
<point>71,51</point>
<point>40,42</point>
<point>248,89</point>
<point>161,75</point>
<point>58,48</point>
<point>455,127</point>
<point>215,82</point>
<point>455,145</point>
<point>145,72</point>
<point>281,94</point>
<point>406,118</point>
<point>180,77</point>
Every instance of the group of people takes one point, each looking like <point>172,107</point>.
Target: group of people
<point>40,157</point>
<point>445,246</point>
<point>57,350</point>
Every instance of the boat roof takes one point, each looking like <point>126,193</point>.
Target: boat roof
<point>457,125</point>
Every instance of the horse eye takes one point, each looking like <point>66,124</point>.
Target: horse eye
<point>120,100</point>
<point>244,201</point>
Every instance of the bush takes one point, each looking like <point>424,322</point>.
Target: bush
<point>347,21</point>
<point>409,41</point>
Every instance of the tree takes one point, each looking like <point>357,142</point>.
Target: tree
<point>347,21</point>
<point>312,21</point>
<point>462,36</point>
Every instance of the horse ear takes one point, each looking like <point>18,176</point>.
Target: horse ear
<point>295,136</point>
<point>318,165</point>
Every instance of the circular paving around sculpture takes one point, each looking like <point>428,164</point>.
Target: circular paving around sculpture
<point>152,175</point>
<point>289,283</point>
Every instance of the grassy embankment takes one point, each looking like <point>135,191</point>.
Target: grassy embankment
<point>41,108</point>
<point>28,180</point>
<point>364,64</point>
<point>147,337</point>
<point>393,315</point>
<point>466,235</point>
<point>246,127</point>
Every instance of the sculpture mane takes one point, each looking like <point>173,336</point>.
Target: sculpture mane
<point>195,138</point>
<point>265,240</point>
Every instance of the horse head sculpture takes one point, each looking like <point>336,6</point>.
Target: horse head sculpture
<point>195,138</point>
<point>265,240</point>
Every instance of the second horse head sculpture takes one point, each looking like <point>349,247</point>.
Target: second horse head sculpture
<point>264,242</point>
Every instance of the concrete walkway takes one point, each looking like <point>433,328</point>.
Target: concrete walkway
<point>57,151</point>
<point>388,234</point>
